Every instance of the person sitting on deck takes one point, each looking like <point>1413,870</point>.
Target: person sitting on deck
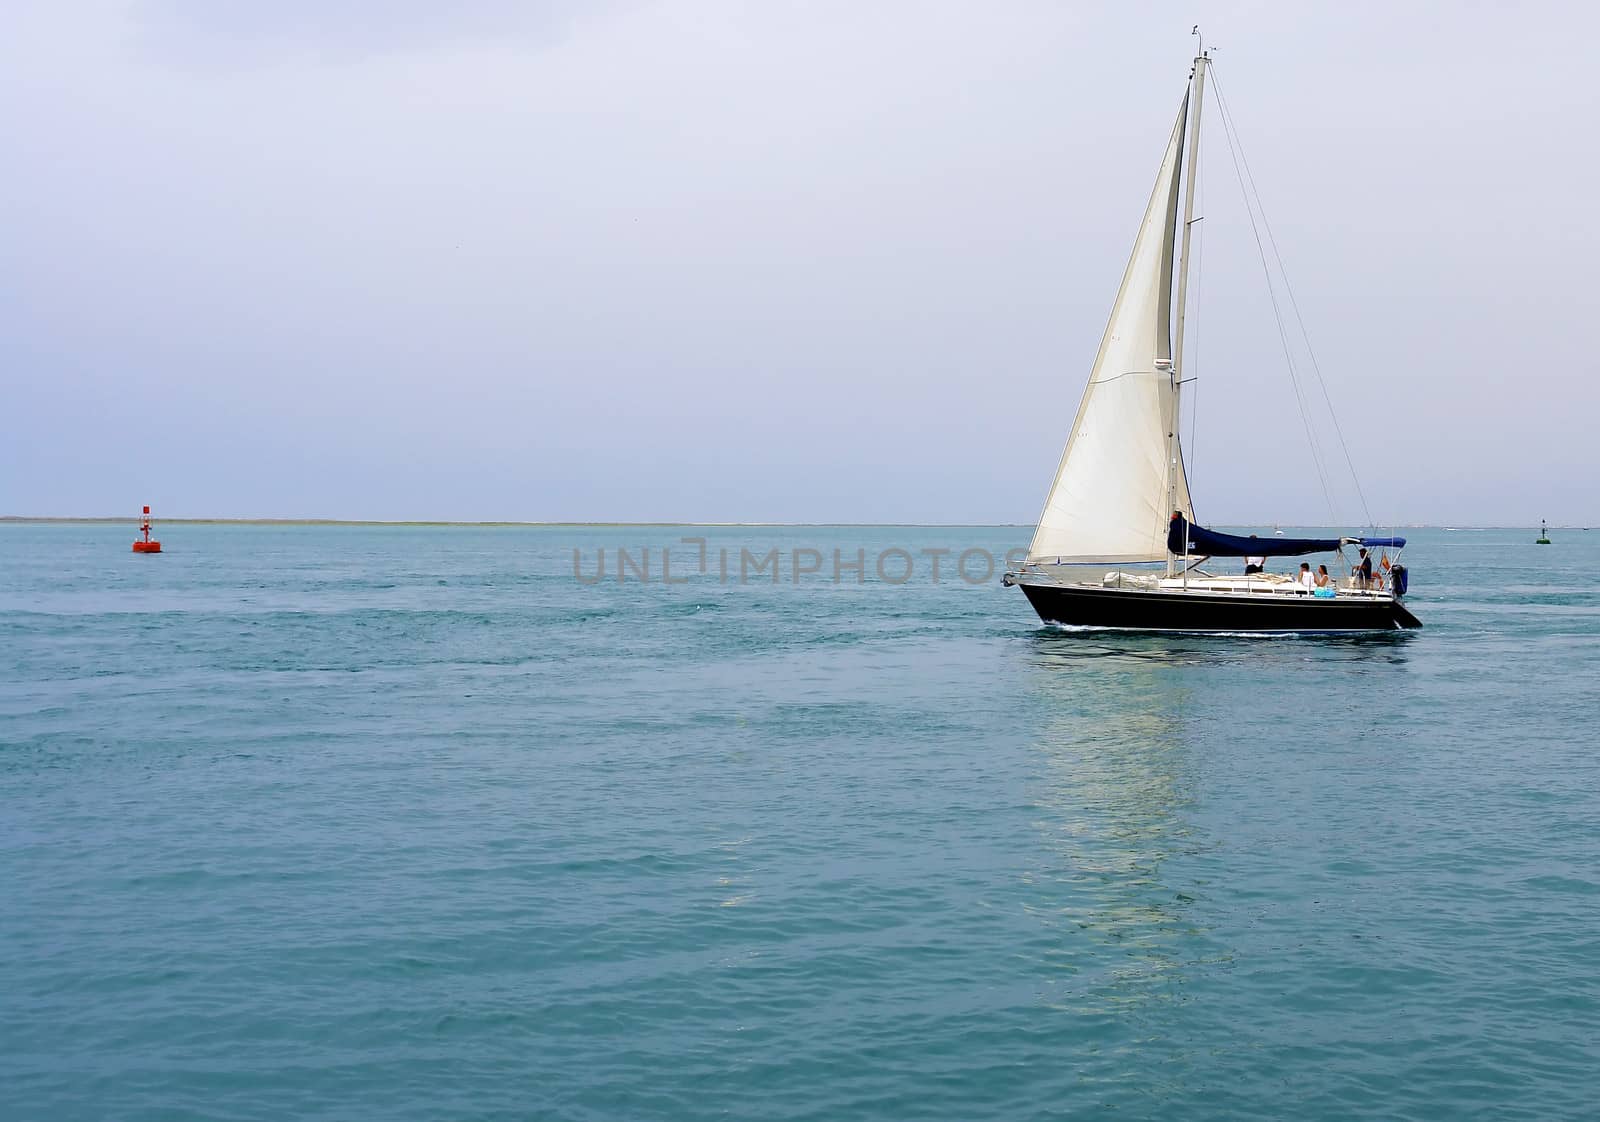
<point>1254,564</point>
<point>1306,578</point>
<point>1322,579</point>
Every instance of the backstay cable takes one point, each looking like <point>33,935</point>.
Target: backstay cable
<point>1316,367</point>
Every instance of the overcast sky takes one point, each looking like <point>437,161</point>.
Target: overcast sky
<point>776,262</point>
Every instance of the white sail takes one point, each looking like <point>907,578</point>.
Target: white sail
<point>1110,499</point>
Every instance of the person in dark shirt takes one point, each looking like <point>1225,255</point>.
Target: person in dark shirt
<point>1254,564</point>
<point>1363,571</point>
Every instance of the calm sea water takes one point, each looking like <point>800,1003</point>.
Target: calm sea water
<point>348,823</point>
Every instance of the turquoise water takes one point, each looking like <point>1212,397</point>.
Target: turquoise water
<point>408,823</point>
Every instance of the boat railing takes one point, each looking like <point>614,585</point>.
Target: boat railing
<point>1276,585</point>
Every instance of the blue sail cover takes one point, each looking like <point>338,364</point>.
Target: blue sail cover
<point>1186,539</point>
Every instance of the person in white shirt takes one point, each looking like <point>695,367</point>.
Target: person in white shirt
<point>1307,578</point>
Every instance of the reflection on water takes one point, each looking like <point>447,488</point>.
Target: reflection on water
<point>1068,643</point>
<point>1054,650</point>
<point>1121,765</point>
<point>1114,780</point>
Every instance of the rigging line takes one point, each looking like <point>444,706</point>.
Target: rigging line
<point>1283,337</point>
<point>1318,456</point>
<point>1277,314</point>
<point>1316,367</point>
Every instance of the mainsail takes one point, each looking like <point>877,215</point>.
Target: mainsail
<point>1110,498</point>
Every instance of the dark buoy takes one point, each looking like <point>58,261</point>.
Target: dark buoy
<point>1544,535</point>
<point>145,545</point>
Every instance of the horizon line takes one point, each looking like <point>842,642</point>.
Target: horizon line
<point>74,519</point>
<point>48,519</point>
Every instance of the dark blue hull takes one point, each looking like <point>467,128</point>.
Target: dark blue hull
<point>1086,606</point>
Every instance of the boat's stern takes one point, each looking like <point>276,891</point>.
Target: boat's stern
<point>1403,619</point>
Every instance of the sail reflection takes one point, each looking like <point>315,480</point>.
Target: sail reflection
<point>1114,782</point>
<point>1131,731</point>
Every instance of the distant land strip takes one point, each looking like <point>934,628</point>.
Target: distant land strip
<point>33,519</point>
<point>70,520</point>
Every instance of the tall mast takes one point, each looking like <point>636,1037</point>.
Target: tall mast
<point>1196,99</point>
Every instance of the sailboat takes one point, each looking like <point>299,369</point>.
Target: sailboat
<point>1120,496</point>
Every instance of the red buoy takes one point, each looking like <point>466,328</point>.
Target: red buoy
<point>146,545</point>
